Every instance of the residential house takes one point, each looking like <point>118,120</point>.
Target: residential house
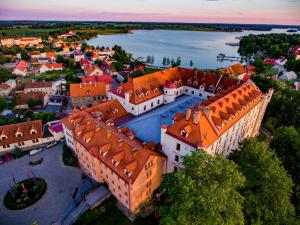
<point>92,70</point>
<point>50,67</point>
<point>281,61</point>
<point>7,87</point>
<point>25,136</point>
<point>22,99</point>
<point>107,79</point>
<point>50,55</point>
<point>21,68</point>
<point>84,94</point>
<point>78,56</point>
<point>291,75</point>
<point>21,42</point>
<point>46,87</point>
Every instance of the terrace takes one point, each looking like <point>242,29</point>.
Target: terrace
<point>147,126</point>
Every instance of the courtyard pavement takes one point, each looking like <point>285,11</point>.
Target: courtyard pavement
<point>61,183</point>
<point>147,126</point>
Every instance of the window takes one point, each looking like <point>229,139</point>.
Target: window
<point>132,108</point>
<point>175,169</point>
<point>186,90</point>
<point>151,104</point>
<point>166,92</point>
<point>178,147</point>
<point>157,101</point>
<point>200,94</point>
<point>183,133</point>
<point>145,107</point>
<point>126,193</point>
<point>177,158</point>
<point>192,92</point>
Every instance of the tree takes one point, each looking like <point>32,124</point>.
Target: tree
<point>148,59</point>
<point>5,75</point>
<point>88,54</point>
<point>168,62</point>
<point>286,142</point>
<point>191,63</point>
<point>178,61</point>
<point>60,59</point>
<point>267,188</point>
<point>84,46</point>
<point>261,66</point>
<point>44,116</point>
<point>118,66</point>
<point>24,55</point>
<point>203,192</point>
<point>34,103</point>
<point>164,62</point>
<point>3,104</point>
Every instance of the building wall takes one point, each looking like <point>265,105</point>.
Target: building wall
<point>87,101</point>
<point>69,138</point>
<point>246,127</point>
<point>131,196</point>
<point>147,182</point>
<point>48,90</point>
<point>25,145</point>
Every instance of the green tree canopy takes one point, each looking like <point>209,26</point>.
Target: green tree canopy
<point>286,142</point>
<point>3,104</point>
<point>268,187</point>
<point>5,75</point>
<point>204,192</point>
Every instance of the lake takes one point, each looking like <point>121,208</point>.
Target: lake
<point>199,46</point>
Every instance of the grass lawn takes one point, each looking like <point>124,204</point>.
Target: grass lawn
<point>109,214</point>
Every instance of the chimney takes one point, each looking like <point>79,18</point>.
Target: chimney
<point>196,117</point>
<point>188,113</point>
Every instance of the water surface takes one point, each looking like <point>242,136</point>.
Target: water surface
<point>199,46</point>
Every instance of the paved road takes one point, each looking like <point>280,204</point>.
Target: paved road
<point>61,181</point>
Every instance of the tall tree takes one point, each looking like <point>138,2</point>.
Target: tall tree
<point>191,63</point>
<point>268,187</point>
<point>164,61</point>
<point>286,142</point>
<point>203,192</point>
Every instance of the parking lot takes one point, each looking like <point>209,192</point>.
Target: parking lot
<point>61,183</point>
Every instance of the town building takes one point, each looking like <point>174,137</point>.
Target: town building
<point>217,125</point>
<point>23,41</point>
<point>78,56</point>
<point>50,67</point>
<point>46,87</point>
<point>291,75</point>
<point>7,87</point>
<point>25,136</point>
<point>85,94</point>
<point>113,156</point>
<point>23,99</point>
<point>238,71</point>
<point>21,68</point>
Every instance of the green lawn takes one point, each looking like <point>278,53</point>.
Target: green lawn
<point>109,214</point>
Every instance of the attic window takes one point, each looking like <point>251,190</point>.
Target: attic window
<point>3,137</point>
<point>183,134</point>
<point>211,87</point>
<point>219,89</point>
<point>103,153</point>
<point>195,83</point>
<point>33,131</point>
<point>201,87</point>
<point>189,82</point>
<point>115,163</point>
<point>127,172</point>
<point>19,134</point>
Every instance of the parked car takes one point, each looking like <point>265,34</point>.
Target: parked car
<point>51,144</point>
<point>35,151</point>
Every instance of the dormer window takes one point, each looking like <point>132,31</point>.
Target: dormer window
<point>19,134</point>
<point>183,134</point>
<point>103,154</point>
<point>219,89</point>
<point>127,172</point>
<point>115,163</point>
<point>211,87</point>
<point>189,82</point>
<point>3,137</point>
<point>33,131</point>
<point>195,83</point>
<point>201,87</point>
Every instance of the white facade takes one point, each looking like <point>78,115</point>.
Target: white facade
<point>170,95</point>
<point>69,138</point>
<point>248,126</point>
<point>48,90</point>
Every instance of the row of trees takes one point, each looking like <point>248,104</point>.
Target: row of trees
<point>251,187</point>
<point>274,45</point>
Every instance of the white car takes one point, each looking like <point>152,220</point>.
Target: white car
<point>51,144</point>
<point>35,151</point>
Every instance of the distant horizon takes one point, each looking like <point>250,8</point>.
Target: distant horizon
<point>158,22</point>
<point>279,12</point>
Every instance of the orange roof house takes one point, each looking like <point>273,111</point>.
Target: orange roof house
<point>23,135</point>
<point>86,93</point>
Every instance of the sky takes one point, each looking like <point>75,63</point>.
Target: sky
<point>195,11</point>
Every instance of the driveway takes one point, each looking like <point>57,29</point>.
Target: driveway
<point>61,182</point>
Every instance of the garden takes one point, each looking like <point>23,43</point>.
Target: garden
<point>25,193</point>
